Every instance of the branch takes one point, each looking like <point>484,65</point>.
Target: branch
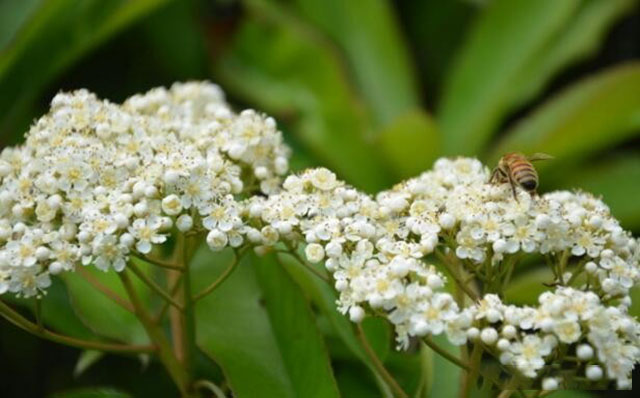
<point>23,323</point>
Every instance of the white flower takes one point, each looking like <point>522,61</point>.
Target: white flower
<point>489,336</point>
<point>314,252</point>
<point>549,383</point>
<point>217,239</point>
<point>29,282</point>
<point>184,222</point>
<point>528,355</point>
<point>323,179</point>
<point>584,352</point>
<point>145,231</point>
<point>109,253</point>
<point>593,372</point>
<point>22,252</point>
<point>172,205</point>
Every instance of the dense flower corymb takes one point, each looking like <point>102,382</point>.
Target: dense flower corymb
<point>96,181</point>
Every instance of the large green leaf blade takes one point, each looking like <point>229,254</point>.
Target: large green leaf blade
<point>374,49</point>
<point>324,298</point>
<point>591,115</point>
<point>578,39</point>
<point>99,312</point>
<point>506,36</point>
<point>447,381</point>
<point>258,327</point>
<point>295,331</point>
<point>56,310</point>
<point>12,17</point>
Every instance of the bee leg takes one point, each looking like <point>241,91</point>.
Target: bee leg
<point>513,186</point>
<point>497,176</point>
<point>494,176</point>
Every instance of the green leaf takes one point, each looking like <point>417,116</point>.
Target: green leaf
<point>12,16</point>
<point>176,42</point>
<point>504,39</point>
<point>92,392</point>
<point>369,37</point>
<point>446,382</point>
<point>410,144</point>
<point>525,288</point>
<point>435,43</point>
<point>607,179</point>
<point>354,381</point>
<point>57,313</point>
<point>411,370</point>
<point>324,298</point>
<point>295,331</point>
<point>289,72</point>
<point>578,39</point>
<point>99,312</point>
<point>260,329</point>
<point>591,115</point>
<point>87,359</point>
<point>57,34</point>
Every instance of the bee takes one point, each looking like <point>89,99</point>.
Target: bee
<point>516,169</point>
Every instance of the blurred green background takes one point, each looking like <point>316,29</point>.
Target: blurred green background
<point>373,89</point>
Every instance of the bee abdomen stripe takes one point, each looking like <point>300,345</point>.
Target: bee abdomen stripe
<point>521,166</point>
<point>524,174</point>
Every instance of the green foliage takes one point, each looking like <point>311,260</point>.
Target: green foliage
<point>56,35</point>
<point>504,39</point>
<point>260,330</point>
<point>99,312</point>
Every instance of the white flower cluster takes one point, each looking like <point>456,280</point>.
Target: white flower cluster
<point>375,250</point>
<point>490,224</point>
<point>95,180</point>
<point>362,245</point>
<point>596,336</point>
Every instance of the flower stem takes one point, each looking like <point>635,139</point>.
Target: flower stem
<point>445,354</point>
<point>176,280</point>
<point>227,272</point>
<point>386,376</point>
<point>293,253</point>
<point>18,320</point>
<point>156,334</point>
<point>471,376</point>
<point>454,274</point>
<point>153,286</point>
<point>156,262</point>
<point>188,323</point>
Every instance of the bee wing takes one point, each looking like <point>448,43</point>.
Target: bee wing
<point>539,156</point>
